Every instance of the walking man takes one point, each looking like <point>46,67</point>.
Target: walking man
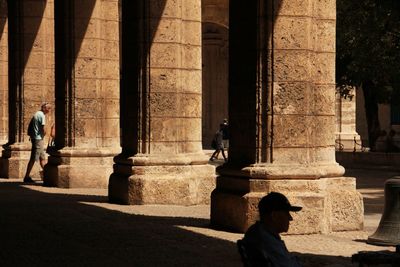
<point>217,144</point>
<point>36,133</point>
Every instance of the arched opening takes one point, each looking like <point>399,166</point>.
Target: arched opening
<point>215,67</point>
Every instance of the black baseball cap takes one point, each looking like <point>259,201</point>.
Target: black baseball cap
<point>275,201</point>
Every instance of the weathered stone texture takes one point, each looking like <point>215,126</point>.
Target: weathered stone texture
<point>165,80</point>
<point>166,30</point>
<point>292,98</point>
<point>293,7</point>
<point>189,105</point>
<point>294,158</point>
<point>88,169</point>
<point>97,73</point>
<point>179,184</point>
<point>191,57</point>
<point>299,155</point>
<point>347,214</point>
<point>292,65</point>
<point>293,130</point>
<point>88,48</point>
<point>163,104</point>
<point>324,68</point>
<point>191,81</point>
<point>287,35</point>
<point>169,55</point>
<point>109,12</point>
<point>323,209</point>
<point>191,10</point>
<point>323,129</point>
<point>303,77</point>
<point>168,132</point>
<point>191,33</point>
<point>165,9</point>
<point>87,29</point>
<point>323,154</point>
<point>324,96</point>
<point>324,9</point>
<point>167,173</point>
<point>323,34</point>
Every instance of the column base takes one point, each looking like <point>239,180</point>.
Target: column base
<point>79,168</point>
<point>143,179</point>
<point>14,160</point>
<point>329,204</point>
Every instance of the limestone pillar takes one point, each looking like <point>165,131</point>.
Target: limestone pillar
<point>282,118</point>
<point>3,73</point>
<point>347,139</point>
<point>87,93</point>
<point>162,161</point>
<point>31,77</point>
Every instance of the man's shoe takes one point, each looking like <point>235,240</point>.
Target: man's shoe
<point>28,180</point>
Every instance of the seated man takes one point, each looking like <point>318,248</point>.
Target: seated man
<point>262,242</point>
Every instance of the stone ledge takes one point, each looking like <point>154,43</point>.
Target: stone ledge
<point>276,171</point>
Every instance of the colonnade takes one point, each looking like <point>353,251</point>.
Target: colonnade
<point>125,79</point>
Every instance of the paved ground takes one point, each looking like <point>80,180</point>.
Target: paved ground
<point>68,227</point>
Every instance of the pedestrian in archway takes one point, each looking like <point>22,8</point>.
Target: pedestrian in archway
<point>217,144</point>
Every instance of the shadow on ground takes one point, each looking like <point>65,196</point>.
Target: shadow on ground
<point>52,229</point>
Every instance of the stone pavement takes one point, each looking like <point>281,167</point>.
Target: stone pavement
<point>42,226</point>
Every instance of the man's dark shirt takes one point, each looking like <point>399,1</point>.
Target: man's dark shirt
<point>265,247</point>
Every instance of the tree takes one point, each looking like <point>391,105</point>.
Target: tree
<point>368,53</point>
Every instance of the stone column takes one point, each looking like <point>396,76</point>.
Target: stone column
<point>282,115</point>
<point>3,72</point>
<point>162,161</point>
<point>31,77</point>
<point>87,93</point>
<point>347,139</point>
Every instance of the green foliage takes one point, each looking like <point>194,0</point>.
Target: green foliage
<point>368,46</point>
